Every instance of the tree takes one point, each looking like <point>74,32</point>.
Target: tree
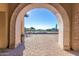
<point>32,28</point>
<point>48,29</point>
<point>26,15</point>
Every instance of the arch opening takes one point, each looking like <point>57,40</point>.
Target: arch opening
<point>18,17</point>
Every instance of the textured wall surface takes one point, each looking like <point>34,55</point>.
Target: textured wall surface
<point>56,8</point>
<point>71,9</point>
<point>3,25</point>
<point>75,27</point>
<point>3,32</point>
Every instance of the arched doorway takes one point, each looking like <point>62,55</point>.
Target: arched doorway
<point>64,25</point>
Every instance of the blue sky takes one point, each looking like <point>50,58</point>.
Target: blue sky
<point>40,18</point>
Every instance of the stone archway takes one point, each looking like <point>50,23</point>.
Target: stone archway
<point>64,25</point>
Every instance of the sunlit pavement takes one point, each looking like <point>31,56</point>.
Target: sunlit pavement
<point>45,45</point>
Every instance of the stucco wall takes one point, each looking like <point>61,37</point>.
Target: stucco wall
<point>11,8</point>
<point>68,8</point>
<point>20,8</point>
<point>75,26</point>
<point>3,25</point>
<point>6,10</point>
<point>18,32</point>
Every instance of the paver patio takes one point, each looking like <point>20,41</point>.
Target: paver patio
<point>39,45</point>
<point>44,45</point>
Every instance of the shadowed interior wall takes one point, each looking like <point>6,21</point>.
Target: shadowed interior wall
<point>75,26</point>
<point>3,25</point>
<point>3,31</point>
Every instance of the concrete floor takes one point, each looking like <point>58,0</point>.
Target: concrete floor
<point>38,45</point>
<point>44,45</point>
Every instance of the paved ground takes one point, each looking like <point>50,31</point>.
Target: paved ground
<point>44,45</point>
<point>39,45</point>
<point>18,51</point>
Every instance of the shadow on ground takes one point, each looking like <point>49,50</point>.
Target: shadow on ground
<point>75,53</point>
<point>18,51</point>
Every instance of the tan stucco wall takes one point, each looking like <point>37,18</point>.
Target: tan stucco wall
<point>18,32</point>
<point>3,25</point>
<point>68,8</point>
<point>11,8</point>
<point>66,40</point>
<point>3,7</point>
<point>6,11</point>
<point>75,27</point>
